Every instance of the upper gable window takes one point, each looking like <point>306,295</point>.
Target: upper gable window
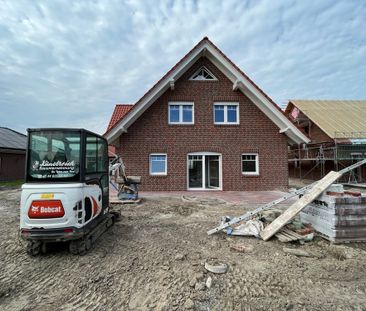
<point>181,113</point>
<point>203,74</point>
<point>226,113</point>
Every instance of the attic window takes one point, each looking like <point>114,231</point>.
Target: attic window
<point>203,74</point>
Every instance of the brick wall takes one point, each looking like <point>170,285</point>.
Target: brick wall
<point>317,135</point>
<point>151,133</point>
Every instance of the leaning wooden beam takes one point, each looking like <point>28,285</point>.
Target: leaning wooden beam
<point>295,208</point>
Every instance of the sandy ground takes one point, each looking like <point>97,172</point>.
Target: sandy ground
<point>154,260</point>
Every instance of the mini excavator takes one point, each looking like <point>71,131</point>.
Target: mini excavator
<point>65,197</point>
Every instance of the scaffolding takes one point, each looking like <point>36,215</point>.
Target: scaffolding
<point>345,149</point>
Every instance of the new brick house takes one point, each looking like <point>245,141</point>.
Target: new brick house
<point>204,126</point>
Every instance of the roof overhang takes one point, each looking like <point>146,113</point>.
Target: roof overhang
<point>239,80</point>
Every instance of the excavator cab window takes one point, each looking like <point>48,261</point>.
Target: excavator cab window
<point>67,155</point>
<point>96,155</point>
<point>54,155</point>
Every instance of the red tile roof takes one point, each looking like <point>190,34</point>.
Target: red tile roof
<point>119,112</point>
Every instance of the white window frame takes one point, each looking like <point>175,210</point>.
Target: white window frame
<point>256,173</point>
<point>166,164</point>
<point>181,104</point>
<point>226,104</point>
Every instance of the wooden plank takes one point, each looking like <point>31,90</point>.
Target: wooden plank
<point>291,237</point>
<point>282,238</point>
<point>295,208</point>
<point>293,234</point>
<point>287,235</point>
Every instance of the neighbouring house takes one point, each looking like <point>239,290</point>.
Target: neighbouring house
<point>337,129</point>
<point>204,125</point>
<point>12,154</point>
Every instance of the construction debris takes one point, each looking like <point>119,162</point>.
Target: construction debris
<point>250,228</point>
<point>241,248</point>
<point>297,252</point>
<point>260,209</point>
<point>338,216</point>
<point>218,268</point>
<point>209,282</point>
<point>286,235</point>
<point>307,195</point>
<point>295,208</point>
<point>305,200</point>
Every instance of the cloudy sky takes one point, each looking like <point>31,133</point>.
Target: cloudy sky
<point>66,63</point>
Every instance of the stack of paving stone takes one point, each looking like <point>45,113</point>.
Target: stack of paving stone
<point>338,215</point>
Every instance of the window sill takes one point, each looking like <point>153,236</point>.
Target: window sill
<point>250,174</point>
<point>158,175</point>
<point>230,124</point>
<point>185,124</point>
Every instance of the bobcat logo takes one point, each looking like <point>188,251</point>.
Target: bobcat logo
<point>35,165</point>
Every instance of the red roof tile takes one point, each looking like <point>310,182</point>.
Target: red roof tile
<point>119,112</point>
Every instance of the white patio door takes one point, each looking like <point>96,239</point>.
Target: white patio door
<point>204,171</point>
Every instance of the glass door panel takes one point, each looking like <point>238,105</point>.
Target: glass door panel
<point>195,168</point>
<point>213,171</point>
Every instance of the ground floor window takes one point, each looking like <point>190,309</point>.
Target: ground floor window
<point>158,164</point>
<point>249,164</point>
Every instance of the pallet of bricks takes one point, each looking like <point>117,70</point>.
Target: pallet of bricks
<point>338,215</point>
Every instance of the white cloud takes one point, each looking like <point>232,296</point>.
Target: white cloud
<point>68,63</point>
